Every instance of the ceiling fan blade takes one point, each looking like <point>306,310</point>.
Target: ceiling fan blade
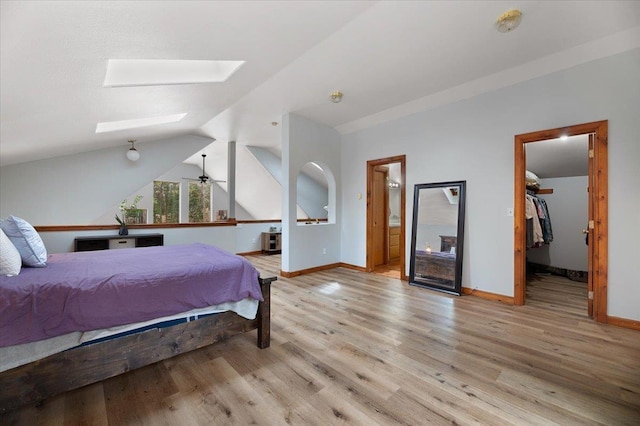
<point>204,178</point>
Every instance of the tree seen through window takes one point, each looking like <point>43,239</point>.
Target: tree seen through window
<point>166,202</point>
<point>199,202</point>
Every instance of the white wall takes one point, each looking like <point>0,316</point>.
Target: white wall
<point>78,189</point>
<point>308,246</point>
<point>221,236</point>
<point>473,140</point>
<point>248,235</point>
<point>569,211</point>
<point>243,238</point>
<point>176,174</point>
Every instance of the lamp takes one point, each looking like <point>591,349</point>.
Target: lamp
<point>335,97</point>
<point>509,21</point>
<point>133,154</point>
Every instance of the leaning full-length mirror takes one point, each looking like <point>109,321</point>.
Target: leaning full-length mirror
<point>438,236</point>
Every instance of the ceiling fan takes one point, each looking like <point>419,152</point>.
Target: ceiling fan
<point>204,178</point>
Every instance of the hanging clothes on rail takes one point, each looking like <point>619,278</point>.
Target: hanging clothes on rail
<point>539,229</point>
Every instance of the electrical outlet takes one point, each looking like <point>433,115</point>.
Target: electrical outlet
<point>253,241</point>
<point>324,251</point>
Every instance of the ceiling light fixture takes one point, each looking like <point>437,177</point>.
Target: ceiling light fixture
<point>509,21</point>
<point>335,97</point>
<point>133,154</point>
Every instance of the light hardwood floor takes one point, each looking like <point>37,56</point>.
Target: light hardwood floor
<point>355,348</point>
<point>557,293</point>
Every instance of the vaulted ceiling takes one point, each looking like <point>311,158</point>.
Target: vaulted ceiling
<point>389,58</point>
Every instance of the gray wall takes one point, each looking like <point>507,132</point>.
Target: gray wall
<point>307,246</point>
<point>473,140</point>
<point>79,189</point>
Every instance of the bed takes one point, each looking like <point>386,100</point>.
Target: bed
<point>437,266</point>
<point>117,310</point>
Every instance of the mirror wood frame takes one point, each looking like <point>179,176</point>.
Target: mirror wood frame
<point>456,287</point>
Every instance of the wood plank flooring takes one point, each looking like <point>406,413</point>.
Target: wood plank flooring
<point>557,293</point>
<point>355,348</point>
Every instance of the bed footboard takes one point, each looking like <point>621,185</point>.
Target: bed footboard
<point>264,312</point>
<point>84,365</point>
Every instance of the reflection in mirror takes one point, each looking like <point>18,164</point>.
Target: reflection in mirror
<point>438,236</point>
<point>312,194</point>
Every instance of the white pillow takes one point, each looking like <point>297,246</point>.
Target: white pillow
<point>27,241</point>
<point>10,260</point>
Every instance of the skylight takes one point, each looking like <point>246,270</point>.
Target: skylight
<point>150,72</point>
<point>113,126</point>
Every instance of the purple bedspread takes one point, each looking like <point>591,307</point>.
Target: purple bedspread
<point>99,289</point>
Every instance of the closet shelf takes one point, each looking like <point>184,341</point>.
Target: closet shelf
<point>545,191</point>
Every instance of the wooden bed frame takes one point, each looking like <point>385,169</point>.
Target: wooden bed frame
<point>83,365</point>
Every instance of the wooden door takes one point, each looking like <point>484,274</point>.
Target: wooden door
<point>380,207</point>
<point>371,166</point>
<point>588,229</point>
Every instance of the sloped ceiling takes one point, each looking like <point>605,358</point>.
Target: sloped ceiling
<point>389,58</point>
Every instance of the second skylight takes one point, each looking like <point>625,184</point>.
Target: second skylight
<point>151,72</point>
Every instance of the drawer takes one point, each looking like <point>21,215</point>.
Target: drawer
<point>90,245</point>
<point>394,240</point>
<point>394,252</point>
<point>156,240</point>
<point>120,243</point>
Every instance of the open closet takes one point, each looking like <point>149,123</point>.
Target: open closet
<point>571,193</point>
<point>556,212</point>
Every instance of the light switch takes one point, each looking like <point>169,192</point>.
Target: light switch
<point>510,211</point>
<point>359,195</point>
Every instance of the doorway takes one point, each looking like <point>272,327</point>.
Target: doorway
<point>597,223</point>
<point>557,256</point>
<point>386,203</point>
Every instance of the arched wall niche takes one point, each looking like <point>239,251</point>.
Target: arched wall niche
<point>315,194</point>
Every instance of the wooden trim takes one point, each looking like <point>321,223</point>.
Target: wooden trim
<point>250,253</point>
<point>489,296</point>
<point>371,164</point>
<point>599,195</point>
<point>312,221</point>
<point>309,270</point>
<point>330,266</point>
<point>83,365</point>
<point>624,322</point>
<point>519,225</point>
<point>350,266</point>
<point>260,221</point>
<point>62,228</point>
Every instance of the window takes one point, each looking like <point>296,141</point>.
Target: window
<point>136,216</point>
<point>166,202</point>
<point>199,202</point>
